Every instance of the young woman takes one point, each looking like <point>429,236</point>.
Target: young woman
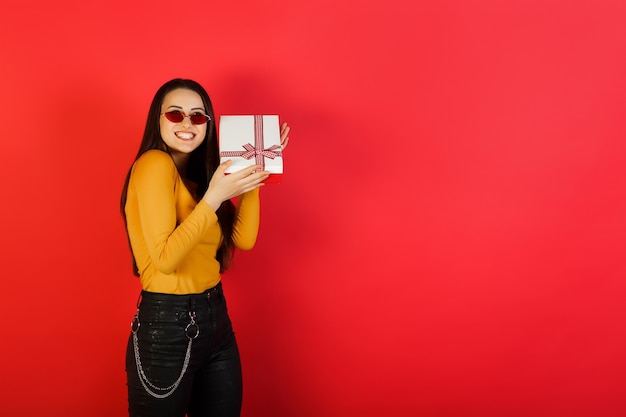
<point>182,226</point>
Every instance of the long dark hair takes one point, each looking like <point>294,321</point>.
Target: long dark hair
<point>202,163</point>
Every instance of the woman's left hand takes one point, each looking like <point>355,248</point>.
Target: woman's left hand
<point>284,135</point>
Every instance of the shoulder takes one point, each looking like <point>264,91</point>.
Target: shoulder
<point>154,163</point>
<point>154,159</point>
<point>155,156</point>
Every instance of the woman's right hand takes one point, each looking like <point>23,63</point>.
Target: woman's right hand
<point>223,186</point>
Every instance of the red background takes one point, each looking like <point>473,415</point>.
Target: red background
<point>448,239</point>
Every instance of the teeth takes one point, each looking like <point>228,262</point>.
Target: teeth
<point>185,135</point>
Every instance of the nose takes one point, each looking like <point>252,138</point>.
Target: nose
<point>186,121</point>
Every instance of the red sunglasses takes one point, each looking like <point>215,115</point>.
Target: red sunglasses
<point>176,116</point>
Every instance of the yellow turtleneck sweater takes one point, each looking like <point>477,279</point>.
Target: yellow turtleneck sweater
<point>174,238</point>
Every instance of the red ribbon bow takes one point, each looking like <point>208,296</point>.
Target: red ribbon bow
<point>257,151</point>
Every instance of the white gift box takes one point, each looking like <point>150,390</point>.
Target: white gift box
<point>251,140</point>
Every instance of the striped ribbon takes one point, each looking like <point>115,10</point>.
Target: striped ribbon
<point>257,151</point>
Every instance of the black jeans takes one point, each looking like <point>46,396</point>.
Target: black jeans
<point>211,384</point>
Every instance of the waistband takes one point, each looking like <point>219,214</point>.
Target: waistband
<point>179,299</point>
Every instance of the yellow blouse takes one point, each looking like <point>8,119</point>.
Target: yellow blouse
<point>174,238</point>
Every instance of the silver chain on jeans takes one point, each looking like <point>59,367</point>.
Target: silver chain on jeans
<point>149,386</point>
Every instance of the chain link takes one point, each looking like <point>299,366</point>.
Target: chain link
<point>149,386</point>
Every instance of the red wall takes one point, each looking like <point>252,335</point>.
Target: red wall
<point>448,240</point>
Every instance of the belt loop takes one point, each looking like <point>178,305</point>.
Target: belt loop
<point>139,299</point>
<point>135,323</point>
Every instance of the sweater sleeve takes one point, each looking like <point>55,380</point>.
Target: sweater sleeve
<point>154,179</point>
<point>247,219</point>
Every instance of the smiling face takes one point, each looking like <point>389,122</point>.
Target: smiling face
<point>184,137</point>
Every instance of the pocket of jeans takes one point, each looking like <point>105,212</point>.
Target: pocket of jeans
<point>163,341</point>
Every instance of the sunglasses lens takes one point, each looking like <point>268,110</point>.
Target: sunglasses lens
<point>175,116</point>
<point>198,119</point>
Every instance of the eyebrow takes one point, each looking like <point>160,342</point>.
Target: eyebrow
<point>193,108</point>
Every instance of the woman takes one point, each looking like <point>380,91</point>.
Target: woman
<point>182,226</point>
